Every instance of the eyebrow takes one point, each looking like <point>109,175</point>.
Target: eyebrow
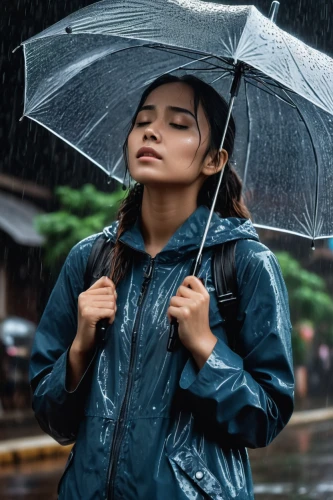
<point>151,107</point>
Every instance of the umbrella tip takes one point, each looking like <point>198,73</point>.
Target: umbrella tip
<point>69,30</point>
<point>13,51</point>
<point>273,11</point>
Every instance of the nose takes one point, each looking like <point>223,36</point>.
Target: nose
<point>151,133</point>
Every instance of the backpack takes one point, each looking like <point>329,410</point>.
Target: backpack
<point>223,271</point>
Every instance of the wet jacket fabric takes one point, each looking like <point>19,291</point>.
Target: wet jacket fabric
<point>148,424</point>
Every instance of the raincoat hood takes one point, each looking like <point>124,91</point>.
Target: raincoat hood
<point>187,238</point>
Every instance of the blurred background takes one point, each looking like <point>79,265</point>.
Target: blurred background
<point>51,197</point>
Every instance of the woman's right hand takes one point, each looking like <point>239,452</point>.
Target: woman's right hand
<point>96,303</point>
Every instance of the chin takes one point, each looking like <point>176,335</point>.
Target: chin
<point>146,176</point>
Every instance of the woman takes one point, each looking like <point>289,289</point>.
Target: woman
<point>147,423</point>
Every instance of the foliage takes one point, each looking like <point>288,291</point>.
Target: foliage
<point>300,348</point>
<point>309,301</point>
<point>82,212</point>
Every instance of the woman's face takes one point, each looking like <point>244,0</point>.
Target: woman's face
<point>173,134</point>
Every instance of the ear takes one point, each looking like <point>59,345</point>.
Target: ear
<point>211,167</point>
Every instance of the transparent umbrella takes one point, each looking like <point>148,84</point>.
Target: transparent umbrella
<point>85,75</point>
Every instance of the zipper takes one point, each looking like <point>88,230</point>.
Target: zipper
<point>120,425</point>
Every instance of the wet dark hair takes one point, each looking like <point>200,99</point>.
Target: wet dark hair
<point>229,201</point>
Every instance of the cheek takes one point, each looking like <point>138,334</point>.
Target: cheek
<point>184,146</point>
<point>132,147</point>
<point>130,143</point>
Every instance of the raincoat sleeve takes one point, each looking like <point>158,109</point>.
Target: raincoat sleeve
<point>57,410</point>
<point>249,395</point>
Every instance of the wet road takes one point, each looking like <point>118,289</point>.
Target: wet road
<point>31,481</point>
<point>297,465</point>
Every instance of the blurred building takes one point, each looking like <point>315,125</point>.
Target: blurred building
<point>20,264</point>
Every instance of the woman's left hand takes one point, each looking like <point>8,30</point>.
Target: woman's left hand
<point>190,306</point>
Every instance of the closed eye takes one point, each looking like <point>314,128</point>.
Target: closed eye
<point>176,125</point>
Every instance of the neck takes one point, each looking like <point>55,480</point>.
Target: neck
<point>163,211</point>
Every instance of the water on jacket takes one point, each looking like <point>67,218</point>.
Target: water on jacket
<point>148,424</point>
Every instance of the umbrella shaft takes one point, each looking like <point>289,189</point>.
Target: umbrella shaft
<point>198,259</point>
<point>274,11</point>
<point>233,92</point>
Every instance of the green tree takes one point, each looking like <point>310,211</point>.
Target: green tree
<point>82,212</point>
<point>309,302</point>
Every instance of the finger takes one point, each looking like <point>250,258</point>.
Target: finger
<point>97,313</point>
<point>184,291</point>
<point>92,300</point>
<point>107,291</point>
<point>106,314</point>
<point>180,313</point>
<point>104,281</point>
<point>107,297</point>
<point>195,283</point>
<point>102,304</point>
<point>170,317</point>
<point>179,302</point>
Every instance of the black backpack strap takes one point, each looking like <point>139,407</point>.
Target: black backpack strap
<point>225,281</point>
<point>99,261</point>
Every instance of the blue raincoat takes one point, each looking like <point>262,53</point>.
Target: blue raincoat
<point>148,424</point>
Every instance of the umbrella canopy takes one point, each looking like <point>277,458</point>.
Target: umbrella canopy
<point>85,76</point>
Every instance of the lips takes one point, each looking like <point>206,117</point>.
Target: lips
<point>148,151</point>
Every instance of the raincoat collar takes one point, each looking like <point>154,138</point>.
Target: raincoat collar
<point>188,236</point>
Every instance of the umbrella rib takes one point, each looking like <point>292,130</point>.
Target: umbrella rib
<point>180,67</point>
<point>260,77</point>
<point>288,231</point>
<point>317,167</point>
<point>303,225</point>
<point>204,69</point>
<point>214,68</point>
<point>225,61</point>
<point>268,85</point>
<point>166,48</point>
<point>269,92</point>
<point>227,73</point>
<point>174,51</point>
